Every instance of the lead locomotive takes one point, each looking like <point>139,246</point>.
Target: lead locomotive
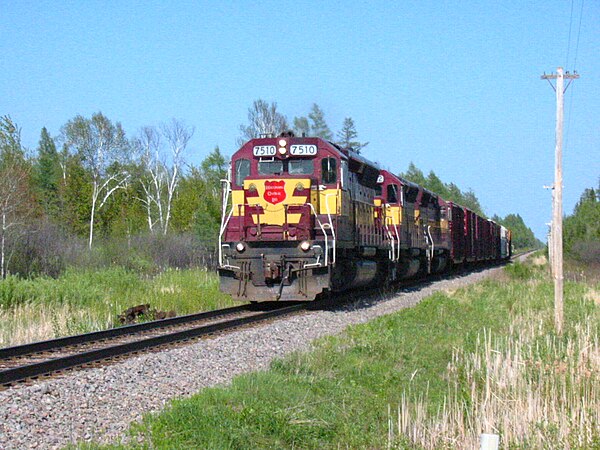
<point>302,216</point>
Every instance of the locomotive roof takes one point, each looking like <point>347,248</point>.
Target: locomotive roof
<point>343,153</point>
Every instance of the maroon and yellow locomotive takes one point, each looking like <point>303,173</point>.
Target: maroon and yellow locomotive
<point>302,216</point>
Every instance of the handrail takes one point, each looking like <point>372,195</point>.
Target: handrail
<point>224,221</point>
<point>312,207</point>
<point>331,223</point>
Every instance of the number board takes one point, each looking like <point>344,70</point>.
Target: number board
<point>264,150</point>
<point>303,150</point>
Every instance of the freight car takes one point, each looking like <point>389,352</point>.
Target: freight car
<point>302,216</point>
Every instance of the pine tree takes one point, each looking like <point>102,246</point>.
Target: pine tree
<point>347,135</point>
<point>301,126</point>
<point>434,184</point>
<point>582,228</point>
<point>318,126</point>
<point>414,174</point>
<point>48,174</point>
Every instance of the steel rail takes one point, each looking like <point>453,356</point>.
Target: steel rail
<point>10,376</point>
<point>79,339</point>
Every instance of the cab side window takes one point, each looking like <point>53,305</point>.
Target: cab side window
<point>242,170</point>
<point>328,171</point>
<point>392,193</point>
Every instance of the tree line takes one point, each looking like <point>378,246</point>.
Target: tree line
<point>91,182</point>
<point>263,118</point>
<point>92,195</point>
<point>581,230</point>
<point>522,235</point>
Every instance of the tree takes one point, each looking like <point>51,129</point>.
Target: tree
<point>414,174</point>
<point>582,228</point>
<point>178,136</point>
<point>301,126</point>
<point>262,119</point>
<point>198,205</point>
<point>434,184</point>
<point>153,176</point>
<point>159,179</point>
<point>16,201</point>
<point>347,135</point>
<point>472,202</point>
<point>318,126</point>
<point>522,236</point>
<point>48,174</point>
<point>102,148</point>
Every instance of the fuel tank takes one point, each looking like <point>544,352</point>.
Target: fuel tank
<point>353,273</point>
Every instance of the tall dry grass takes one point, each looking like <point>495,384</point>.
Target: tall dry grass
<point>531,387</point>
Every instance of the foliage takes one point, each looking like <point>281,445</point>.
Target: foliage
<point>47,172</point>
<point>581,230</point>
<point>347,135</point>
<point>262,119</point>
<point>522,236</point>
<point>17,204</point>
<point>102,148</point>
<point>448,191</point>
<point>301,126</point>
<point>318,126</point>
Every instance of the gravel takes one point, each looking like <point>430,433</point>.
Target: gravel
<point>100,404</point>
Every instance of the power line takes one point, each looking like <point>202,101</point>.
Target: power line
<point>578,34</point>
<point>569,40</point>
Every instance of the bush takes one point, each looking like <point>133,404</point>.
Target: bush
<point>45,249</point>
<point>519,271</point>
<point>587,252</point>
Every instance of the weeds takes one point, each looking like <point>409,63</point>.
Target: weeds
<point>533,388</point>
<point>83,301</point>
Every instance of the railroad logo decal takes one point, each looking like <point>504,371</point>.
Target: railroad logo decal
<point>274,191</point>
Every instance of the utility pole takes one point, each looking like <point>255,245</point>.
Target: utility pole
<point>557,212</point>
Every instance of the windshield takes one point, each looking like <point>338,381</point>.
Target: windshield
<point>300,166</point>
<point>293,167</point>
<point>270,167</point>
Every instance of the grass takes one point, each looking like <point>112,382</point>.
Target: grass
<point>82,301</point>
<point>482,358</point>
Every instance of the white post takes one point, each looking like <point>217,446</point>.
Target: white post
<point>557,234</point>
<point>489,442</point>
<point>557,240</point>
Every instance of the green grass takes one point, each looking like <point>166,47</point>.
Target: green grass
<point>345,392</point>
<point>81,301</point>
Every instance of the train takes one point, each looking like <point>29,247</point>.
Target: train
<point>303,217</point>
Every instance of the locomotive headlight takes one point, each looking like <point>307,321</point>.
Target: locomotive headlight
<point>282,150</point>
<point>240,247</point>
<point>282,143</point>
<point>305,246</point>
<point>299,187</point>
<point>252,187</point>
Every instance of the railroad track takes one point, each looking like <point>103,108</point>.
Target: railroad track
<point>32,361</point>
<point>48,358</point>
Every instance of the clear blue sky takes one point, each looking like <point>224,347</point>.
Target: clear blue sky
<point>452,86</point>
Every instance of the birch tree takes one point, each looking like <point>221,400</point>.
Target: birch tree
<point>148,145</point>
<point>262,119</point>
<point>102,147</point>
<point>177,136</point>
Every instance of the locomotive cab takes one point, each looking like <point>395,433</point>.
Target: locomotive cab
<point>278,232</point>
